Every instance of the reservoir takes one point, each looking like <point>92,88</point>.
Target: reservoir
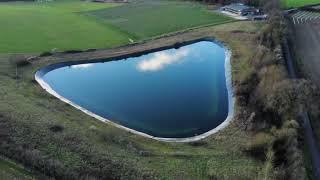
<point>171,93</point>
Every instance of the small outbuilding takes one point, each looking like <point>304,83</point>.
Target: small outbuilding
<point>240,9</point>
<point>111,1</point>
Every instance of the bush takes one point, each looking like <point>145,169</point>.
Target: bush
<point>291,124</point>
<point>264,57</point>
<point>273,32</point>
<point>72,51</point>
<point>259,145</point>
<point>56,128</point>
<point>292,96</point>
<point>198,143</point>
<point>19,60</point>
<point>288,156</point>
<point>90,50</point>
<point>44,54</point>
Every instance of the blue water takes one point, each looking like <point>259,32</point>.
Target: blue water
<point>171,93</point>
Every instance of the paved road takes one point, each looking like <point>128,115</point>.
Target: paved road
<point>306,39</point>
<point>309,134</point>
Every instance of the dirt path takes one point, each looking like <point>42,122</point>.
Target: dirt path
<point>135,48</point>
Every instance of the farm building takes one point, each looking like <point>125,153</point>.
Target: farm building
<point>111,1</point>
<point>240,9</point>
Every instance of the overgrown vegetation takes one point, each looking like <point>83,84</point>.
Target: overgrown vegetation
<point>274,100</point>
<point>11,170</point>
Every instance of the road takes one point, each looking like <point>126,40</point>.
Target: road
<point>306,41</point>
<point>309,134</point>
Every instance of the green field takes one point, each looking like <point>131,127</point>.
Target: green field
<point>299,3</point>
<point>145,19</point>
<point>37,27</point>
<point>66,25</point>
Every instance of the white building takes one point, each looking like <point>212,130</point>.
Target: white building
<point>240,9</point>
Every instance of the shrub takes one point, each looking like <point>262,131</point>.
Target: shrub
<point>269,169</point>
<point>56,128</point>
<point>264,57</point>
<point>292,96</point>
<point>288,156</point>
<point>19,60</point>
<point>90,50</point>
<point>72,51</point>
<point>291,124</point>
<point>259,144</point>
<point>198,143</point>
<point>46,53</point>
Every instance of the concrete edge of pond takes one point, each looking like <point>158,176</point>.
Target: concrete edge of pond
<point>225,123</point>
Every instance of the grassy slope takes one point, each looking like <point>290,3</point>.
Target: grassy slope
<point>10,170</point>
<point>36,27</point>
<point>145,19</point>
<point>299,3</point>
<point>32,112</point>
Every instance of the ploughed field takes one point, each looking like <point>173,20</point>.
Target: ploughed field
<point>28,27</point>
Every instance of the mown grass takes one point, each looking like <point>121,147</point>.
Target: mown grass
<point>298,3</point>
<point>146,18</point>
<point>29,113</point>
<point>36,27</point>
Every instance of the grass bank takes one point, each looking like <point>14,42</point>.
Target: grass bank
<point>11,170</point>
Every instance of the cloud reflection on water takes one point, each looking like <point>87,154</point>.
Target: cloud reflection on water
<point>81,66</point>
<point>162,59</point>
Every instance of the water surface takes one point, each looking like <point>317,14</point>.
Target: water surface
<point>174,93</point>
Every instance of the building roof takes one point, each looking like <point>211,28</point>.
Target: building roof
<point>238,6</point>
